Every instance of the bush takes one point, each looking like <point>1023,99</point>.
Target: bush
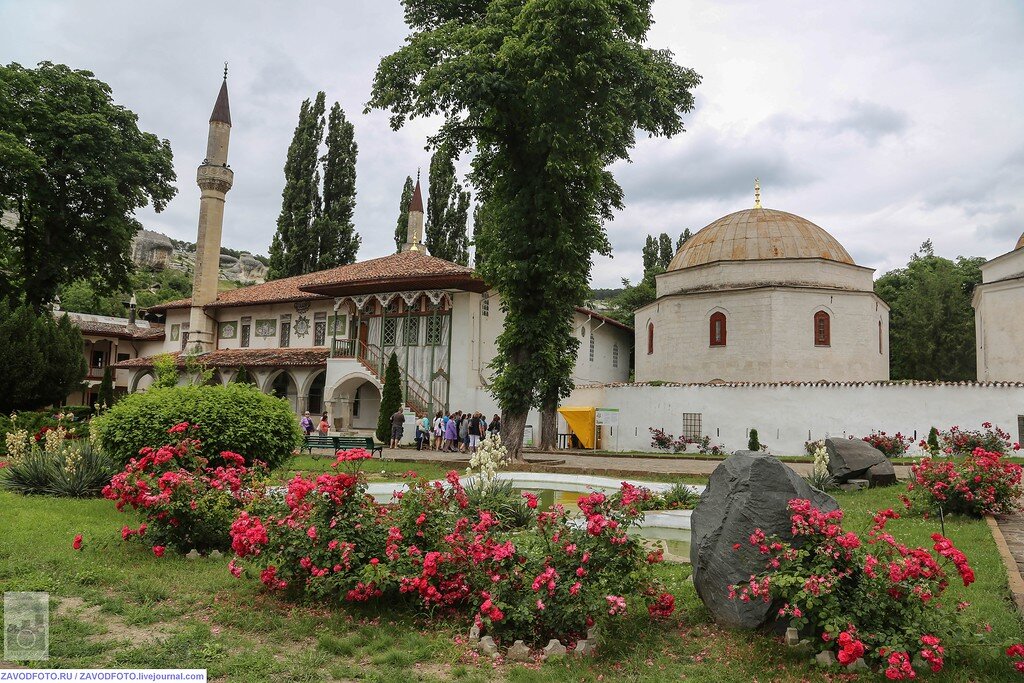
<point>933,441</point>
<point>187,502</point>
<point>752,443</point>
<point>390,400</point>
<point>330,543</point>
<point>869,597</point>
<point>79,413</point>
<point>958,441</point>
<point>982,483</point>
<point>54,465</point>
<point>893,446</point>
<point>236,417</point>
<point>31,422</point>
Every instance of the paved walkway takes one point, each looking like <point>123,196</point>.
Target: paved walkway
<point>574,461</point>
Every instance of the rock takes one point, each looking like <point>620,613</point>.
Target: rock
<point>519,652</point>
<point>881,474</point>
<point>594,634</point>
<point>852,458</point>
<point>826,659</point>
<point>487,646</point>
<point>792,637</point>
<point>193,554</point>
<point>152,249</point>
<point>745,492</point>
<point>216,554</point>
<point>805,648</point>
<point>554,648</point>
<point>859,665</point>
<point>754,453</point>
<point>474,634</point>
<point>584,648</point>
<point>855,485</point>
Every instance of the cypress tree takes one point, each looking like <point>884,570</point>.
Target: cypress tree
<point>402,229</point>
<point>294,247</point>
<point>390,399</point>
<point>753,443</point>
<point>338,239</point>
<point>447,210</point>
<point>42,358</point>
<point>665,251</point>
<point>683,237</point>
<point>650,253</point>
<point>106,392</point>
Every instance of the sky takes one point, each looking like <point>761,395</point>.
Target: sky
<point>886,123</point>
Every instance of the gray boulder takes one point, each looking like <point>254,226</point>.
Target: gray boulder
<point>745,492</point>
<point>881,474</point>
<point>852,458</point>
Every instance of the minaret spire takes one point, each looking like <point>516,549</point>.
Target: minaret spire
<point>414,237</point>
<point>757,193</point>
<point>214,179</point>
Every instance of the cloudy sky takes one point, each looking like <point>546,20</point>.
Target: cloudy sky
<point>886,123</point>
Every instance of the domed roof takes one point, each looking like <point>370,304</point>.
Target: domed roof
<point>1020,242</point>
<point>755,234</point>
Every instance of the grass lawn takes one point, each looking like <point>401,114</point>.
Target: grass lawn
<point>115,604</point>
<point>376,469</point>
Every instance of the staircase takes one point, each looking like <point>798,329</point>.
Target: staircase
<point>418,398</point>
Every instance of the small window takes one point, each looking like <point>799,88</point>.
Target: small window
<point>822,334</point>
<point>320,333</point>
<point>286,334</point>
<point>97,359</point>
<point>692,426</point>
<point>434,331</point>
<point>615,355</point>
<point>880,337</point>
<point>121,357</point>
<point>245,333</point>
<point>390,331</point>
<point>412,331</point>
<point>1020,429</point>
<point>650,338</point>
<point>591,348</point>
<point>718,329</point>
<point>485,306</point>
<point>184,335</point>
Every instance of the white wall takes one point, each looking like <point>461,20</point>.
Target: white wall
<point>998,319</point>
<point>786,416</point>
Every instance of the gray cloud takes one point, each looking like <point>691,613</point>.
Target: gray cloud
<point>869,121</point>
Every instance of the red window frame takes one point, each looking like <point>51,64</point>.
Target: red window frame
<point>718,319</point>
<point>650,338</point>
<point>822,329</point>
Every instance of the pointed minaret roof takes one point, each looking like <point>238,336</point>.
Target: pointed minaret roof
<point>221,110</point>
<point>416,203</point>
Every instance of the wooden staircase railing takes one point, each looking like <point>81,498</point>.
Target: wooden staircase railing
<point>418,397</point>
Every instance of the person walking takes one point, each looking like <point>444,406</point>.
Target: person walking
<point>451,433</point>
<point>306,423</point>
<point>397,427</point>
<point>495,427</point>
<point>423,433</point>
<point>324,425</point>
<point>474,432</point>
<point>464,433</point>
<point>438,431</point>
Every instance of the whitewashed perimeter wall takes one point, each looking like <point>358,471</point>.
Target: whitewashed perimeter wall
<point>786,416</point>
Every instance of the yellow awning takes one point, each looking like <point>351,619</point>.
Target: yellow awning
<point>581,423</point>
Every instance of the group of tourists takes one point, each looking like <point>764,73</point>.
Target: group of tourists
<point>461,431</point>
<point>307,425</point>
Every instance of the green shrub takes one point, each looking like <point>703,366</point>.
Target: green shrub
<point>57,467</point>
<point>752,443</point>
<point>235,417</point>
<point>80,413</point>
<point>390,401</point>
<point>933,440</point>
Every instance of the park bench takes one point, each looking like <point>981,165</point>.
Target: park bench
<point>336,443</point>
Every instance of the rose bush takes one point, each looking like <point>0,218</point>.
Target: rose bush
<point>186,503</point>
<point>989,438</point>
<point>869,596</point>
<point>328,541</point>
<point>982,483</point>
<point>893,446</point>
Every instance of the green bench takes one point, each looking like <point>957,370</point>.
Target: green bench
<point>337,443</point>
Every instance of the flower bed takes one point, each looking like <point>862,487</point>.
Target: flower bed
<point>982,483</point>
<point>330,542</point>
<point>989,438</point>
<point>867,597</point>
<point>893,446</point>
<point>187,504</point>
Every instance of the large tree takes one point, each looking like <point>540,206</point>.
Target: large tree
<point>402,227</point>
<point>549,94</point>
<point>74,167</point>
<point>293,251</point>
<point>41,356</point>
<point>665,250</point>
<point>447,209</point>
<point>339,242</point>
<point>931,321</point>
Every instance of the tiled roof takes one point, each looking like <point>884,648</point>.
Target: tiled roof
<point>233,358</point>
<point>600,316</point>
<point>95,325</point>
<point>275,291</point>
<point>408,270</point>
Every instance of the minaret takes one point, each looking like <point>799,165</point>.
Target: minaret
<point>414,238</point>
<point>214,179</point>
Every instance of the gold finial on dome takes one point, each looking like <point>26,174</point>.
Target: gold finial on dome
<point>757,193</point>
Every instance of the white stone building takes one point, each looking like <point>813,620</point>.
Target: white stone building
<point>763,296</point>
<point>999,317</point>
<point>321,340</point>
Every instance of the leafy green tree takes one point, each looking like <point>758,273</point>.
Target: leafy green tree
<point>650,254</point>
<point>242,376</point>
<point>753,443</point>
<point>293,250</point>
<point>665,251</point>
<point>632,298</point>
<point>390,399</point>
<point>165,369</point>
<point>402,228</point>
<point>931,321</point>
<point>546,113</point>
<point>74,167</point>
<point>447,210</point>
<point>105,396</point>
<point>150,288</point>
<point>41,356</point>
<point>339,242</point>
<point>683,238</point>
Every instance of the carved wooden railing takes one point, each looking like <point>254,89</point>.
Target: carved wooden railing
<point>417,396</point>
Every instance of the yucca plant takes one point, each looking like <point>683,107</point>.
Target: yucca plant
<point>502,500</point>
<point>80,471</point>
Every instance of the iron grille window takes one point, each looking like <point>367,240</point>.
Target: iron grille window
<point>320,333</point>
<point>412,331</point>
<point>615,356</point>
<point>246,331</point>
<point>184,336</point>
<point>485,306</point>
<point>591,347</point>
<point>433,331</point>
<point>691,425</point>
<point>1020,429</point>
<point>286,334</point>
<point>390,330</point>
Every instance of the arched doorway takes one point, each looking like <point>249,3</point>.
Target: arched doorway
<point>316,393</point>
<point>283,386</point>
<point>142,381</point>
<point>354,402</point>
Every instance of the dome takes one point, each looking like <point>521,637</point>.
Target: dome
<point>757,234</point>
<point>1020,242</point>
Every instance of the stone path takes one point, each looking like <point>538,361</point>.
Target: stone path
<point>1008,533</point>
<point>574,461</point>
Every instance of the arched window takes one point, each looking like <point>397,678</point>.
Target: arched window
<point>822,332</point>
<point>650,338</point>
<point>718,329</point>
<point>879,336</point>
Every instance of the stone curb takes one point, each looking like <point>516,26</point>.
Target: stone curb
<point>1015,581</point>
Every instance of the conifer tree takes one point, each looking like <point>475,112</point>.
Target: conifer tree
<point>293,249</point>
<point>447,210</point>
<point>665,251</point>
<point>339,242</point>
<point>402,229</point>
<point>683,237</point>
<point>105,396</point>
<point>390,399</point>
<point>650,253</point>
